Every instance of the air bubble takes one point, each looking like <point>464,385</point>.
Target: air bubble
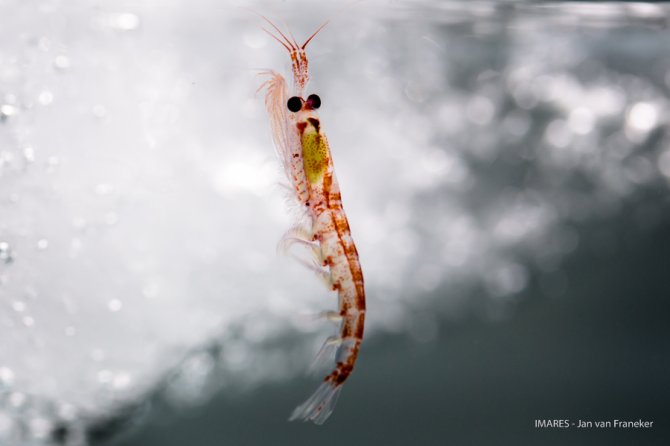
<point>6,377</point>
<point>98,354</point>
<point>121,380</point>
<point>7,110</point>
<point>45,97</point>
<point>99,111</point>
<point>5,252</point>
<point>29,154</point>
<point>641,118</point>
<point>506,279</point>
<point>114,305</point>
<point>40,428</point>
<point>62,62</point>
<point>480,110</point>
<point>581,120</point>
<point>558,134</point>
<point>17,399</point>
<point>125,21</point>
<point>105,376</point>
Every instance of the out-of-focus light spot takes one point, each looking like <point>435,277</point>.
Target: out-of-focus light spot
<point>638,170</point>
<point>124,21</point>
<point>415,92</point>
<point>19,306</point>
<point>67,411</point>
<point>99,111</point>
<point>17,399</point>
<point>558,134</point>
<point>62,62</point>
<point>45,97</point>
<point>646,10</point>
<point>151,289</point>
<point>525,97</point>
<point>480,110</point>
<point>449,118</point>
<point>561,88</point>
<point>40,427</point>
<point>581,121</point>
<point>6,376</point>
<point>440,166</point>
<point>605,101</point>
<point>7,110</point>
<point>434,160</point>
<point>29,154</point>
<point>506,279</point>
<point>75,247</point>
<point>663,166</point>
<point>5,252</point>
<point>641,118</point>
<point>28,321</point>
<point>98,355</point>
<point>53,161</point>
<point>78,223</point>
<point>6,158</point>
<point>44,44</point>
<point>42,244</point>
<point>121,380</point>
<point>105,376</point>
<point>114,305</point>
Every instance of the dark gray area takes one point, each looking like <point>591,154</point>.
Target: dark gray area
<point>600,352</point>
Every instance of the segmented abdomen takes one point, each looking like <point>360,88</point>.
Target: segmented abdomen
<point>340,254</point>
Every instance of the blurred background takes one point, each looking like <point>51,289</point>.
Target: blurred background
<point>504,167</point>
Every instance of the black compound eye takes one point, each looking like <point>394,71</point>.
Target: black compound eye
<point>294,104</point>
<point>314,101</point>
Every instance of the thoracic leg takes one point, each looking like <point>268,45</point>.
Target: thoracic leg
<point>297,234</point>
<point>300,235</point>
